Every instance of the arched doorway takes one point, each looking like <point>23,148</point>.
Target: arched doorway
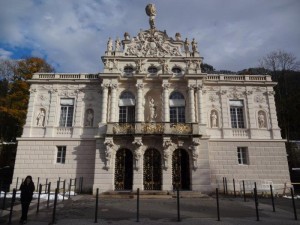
<point>180,170</point>
<point>123,170</point>
<point>152,170</point>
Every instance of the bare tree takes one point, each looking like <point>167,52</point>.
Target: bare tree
<point>7,68</point>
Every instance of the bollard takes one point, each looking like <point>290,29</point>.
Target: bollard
<point>49,189</point>
<point>17,182</point>
<point>234,188</point>
<point>54,207</point>
<point>138,205</point>
<point>256,204</point>
<point>218,207</point>
<point>12,205</point>
<point>226,190</point>
<point>39,197</point>
<point>81,185</point>
<point>64,189</point>
<point>244,191</point>
<point>272,197</point>
<point>46,185</point>
<point>294,206</point>
<point>178,206</point>
<point>96,208</point>
<point>4,199</point>
<point>38,181</point>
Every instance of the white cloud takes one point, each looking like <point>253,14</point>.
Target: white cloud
<point>5,54</point>
<point>72,35</point>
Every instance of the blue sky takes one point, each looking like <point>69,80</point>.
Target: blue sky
<point>72,34</point>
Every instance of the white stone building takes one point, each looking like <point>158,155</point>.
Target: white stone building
<point>152,120</point>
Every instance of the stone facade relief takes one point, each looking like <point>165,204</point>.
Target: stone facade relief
<point>168,149</point>
<point>109,45</point>
<point>194,147</point>
<point>89,120</point>
<point>40,119</point>
<point>152,110</point>
<point>214,119</point>
<point>262,119</point>
<point>110,150</point>
<point>138,152</point>
<point>118,45</point>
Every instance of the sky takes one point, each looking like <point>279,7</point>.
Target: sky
<point>72,35</point>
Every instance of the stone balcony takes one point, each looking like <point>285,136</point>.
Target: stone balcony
<point>144,128</point>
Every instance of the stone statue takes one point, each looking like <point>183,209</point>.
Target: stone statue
<point>118,45</point>
<point>40,119</point>
<point>152,110</point>
<point>109,45</point>
<point>186,46</point>
<point>214,119</point>
<point>178,37</point>
<point>194,46</point>
<point>89,118</point>
<point>261,120</point>
<point>164,66</point>
<point>109,151</point>
<point>151,12</point>
<point>126,36</point>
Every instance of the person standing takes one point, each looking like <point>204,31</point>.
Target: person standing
<point>27,188</point>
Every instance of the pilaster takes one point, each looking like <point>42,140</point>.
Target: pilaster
<point>113,102</point>
<point>191,103</point>
<point>166,106</point>
<point>104,103</point>
<point>140,108</point>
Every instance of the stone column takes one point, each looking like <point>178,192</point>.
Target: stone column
<point>139,104</point>
<point>113,103</point>
<point>52,113</point>
<point>272,114</point>
<point>166,106</point>
<point>104,103</point>
<point>191,103</point>
<point>200,105</point>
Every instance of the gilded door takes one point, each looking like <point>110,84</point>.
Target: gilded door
<point>123,170</point>
<point>180,170</point>
<point>152,170</point>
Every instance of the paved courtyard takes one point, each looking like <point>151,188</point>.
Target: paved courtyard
<point>81,210</point>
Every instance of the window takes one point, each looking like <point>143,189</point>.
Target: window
<point>126,107</point>
<point>128,70</point>
<point>61,154</point>
<point>237,114</point>
<point>176,71</point>
<point>152,70</point>
<point>242,153</point>
<point>66,112</point>
<point>177,108</point>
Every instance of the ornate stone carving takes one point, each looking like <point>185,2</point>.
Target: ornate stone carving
<point>139,65</point>
<point>126,36</point>
<point>214,119</point>
<point>248,92</point>
<point>259,99</point>
<point>195,152</point>
<point>261,119</point>
<point>153,128</point>
<point>186,46</point>
<point>89,118</point>
<point>151,12</point>
<point>40,119</point>
<point>270,93</point>
<point>109,152</point>
<point>138,152</point>
<point>178,37</point>
<point>166,86</point>
<point>212,98</point>
<point>152,110</point>
<point>194,46</point>
<point>167,144</point>
<point>109,45</point>
<point>139,86</point>
<point>117,45</point>
<point>164,65</point>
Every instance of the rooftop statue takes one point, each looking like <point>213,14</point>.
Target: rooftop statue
<point>151,12</point>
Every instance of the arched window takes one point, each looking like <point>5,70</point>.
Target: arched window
<point>177,108</point>
<point>126,107</point>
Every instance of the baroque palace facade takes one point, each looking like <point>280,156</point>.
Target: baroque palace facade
<point>152,120</point>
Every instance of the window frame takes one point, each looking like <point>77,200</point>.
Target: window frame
<point>237,118</point>
<point>242,156</point>
<point>61,151</point>
<point>64,118</point>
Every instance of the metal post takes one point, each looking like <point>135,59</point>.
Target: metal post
<point>64,189</point>
<point>226,190</point>
<point>54,207</point>
<point>38,182</point>
<point>256,204</point>
<point>74,186</point>
<point>244,191</point>
<point>224,185</point>
<point>81,185</point>
<point>46,185</point>
<point>4,199</point>
<point>70,188</point>
<point>218,207</point>
<point>96,208</point>
<point>17,182</point>
<point>49,189</point>
<point>272,197</point>
<point>178,206</point>
<point>12,205</point>
<point>138,205</point>
<point>39,197</point>
<point>294,206</point>
<point>234,188</point>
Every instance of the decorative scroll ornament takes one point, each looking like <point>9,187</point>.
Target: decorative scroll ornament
<point>167,144</point>
<point>259,99</point>
<point>195,152</point>
<point>109,152</point>
<point>138,152</point>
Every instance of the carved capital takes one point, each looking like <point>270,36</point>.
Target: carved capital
<point>139,86</point>
<point>114,86</point>
<point>191,87</point>
<point>104,86</point>
<point>166,86</point>
<point>248,92</point>
<point>270,93</point>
